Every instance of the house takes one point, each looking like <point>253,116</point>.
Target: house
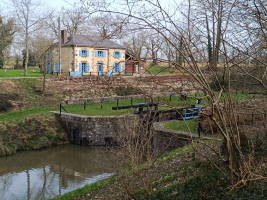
<point>133,65</point>
<point>84,55</point>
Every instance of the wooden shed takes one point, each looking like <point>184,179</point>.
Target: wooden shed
<point>133,65</point>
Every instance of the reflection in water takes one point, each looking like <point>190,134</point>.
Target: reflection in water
<point>54,171</point>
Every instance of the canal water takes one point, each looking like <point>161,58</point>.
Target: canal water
<point>54,171</point>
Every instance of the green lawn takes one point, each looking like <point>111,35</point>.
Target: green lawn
<point>15,115</point>
<point>185,126</point>
<point>94,109</point>
<point>157,70</point>
<point>20,73</point>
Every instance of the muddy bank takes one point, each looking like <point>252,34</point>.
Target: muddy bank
<point>31,134</point>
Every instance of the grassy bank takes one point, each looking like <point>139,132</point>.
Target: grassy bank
<point>20,73</point>
<point>31,133</point>
<point>187,126</point>
<point>179,174</point>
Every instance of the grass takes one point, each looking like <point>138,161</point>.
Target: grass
<point>80,192</point>
<point>157,70</point>
<point>92,109</point>
<point>95,109</point>
<point>178,174</point>
<point>20,73</point>
<point>15,115</point>
<point>182,126</point>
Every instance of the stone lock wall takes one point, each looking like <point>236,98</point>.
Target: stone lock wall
<point>167,140</point>
<point>97,130</point>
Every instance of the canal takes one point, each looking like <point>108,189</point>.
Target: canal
<point>54,171</point>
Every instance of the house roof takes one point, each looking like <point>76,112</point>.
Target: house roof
<point>91,41</point>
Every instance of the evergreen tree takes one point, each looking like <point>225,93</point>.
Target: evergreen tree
<point>6,36</point>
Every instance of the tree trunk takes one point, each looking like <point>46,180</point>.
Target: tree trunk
<point>27,42</point>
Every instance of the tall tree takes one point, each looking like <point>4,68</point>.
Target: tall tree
<point>29,13</point>
<point>192,26</point>
<point>108,25</point>
<point>7,31</point>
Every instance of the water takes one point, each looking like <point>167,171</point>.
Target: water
<point>54,171</point>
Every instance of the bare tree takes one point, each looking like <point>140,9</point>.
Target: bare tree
<point>108,25</point>
<point>74,20</point>
<point>194,41</point>
<point>28,13</point>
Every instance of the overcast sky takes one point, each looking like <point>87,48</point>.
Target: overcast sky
<point>57,4</point>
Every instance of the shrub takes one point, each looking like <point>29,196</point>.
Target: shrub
<point>123,91</point>
<point>218,82</point>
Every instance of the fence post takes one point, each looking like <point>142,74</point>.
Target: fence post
<point>84,106</point>
<point>170,98</point>
<point>158,99</point>
<point>60,109</point>
<point>117,102</point>
<point>131,101</point>
<point>252,120</point>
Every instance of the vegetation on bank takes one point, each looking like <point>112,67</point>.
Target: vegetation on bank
<point>180,174</point>
<point>184,126</point>
<point>31,133</point>
<point>157,70</point>
<point>35,72</point>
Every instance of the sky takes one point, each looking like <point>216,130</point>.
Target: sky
<point>57,4</point>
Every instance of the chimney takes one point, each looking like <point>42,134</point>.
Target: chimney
<point>64,37</point>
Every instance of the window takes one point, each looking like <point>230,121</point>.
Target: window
<point>83,53</point>
<point>100,53</point>
<point>48,56</point>
<point>116,54</point>
<point>83,67</point>
<point>116,67</point>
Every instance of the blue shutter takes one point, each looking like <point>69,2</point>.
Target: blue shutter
<point>114,54</point>
<point>87,53</point>
<point>87,67</point>
<point>104,53</point>
<point>80,53</point>
<point>114,66</point>
<point>80,67</point>
<point>56,66</point>
<point>48,68</point>
<point>48,56</point>
<point>120,67</point>
<point>96,54</point>
<point>120,54</point>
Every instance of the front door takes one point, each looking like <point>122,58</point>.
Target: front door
<point>56,67</point>
<point>99,69</point>
<point>136,69</point>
